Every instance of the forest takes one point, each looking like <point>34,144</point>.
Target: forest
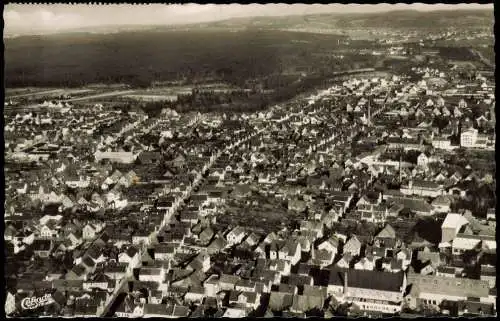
<point>141,57</point>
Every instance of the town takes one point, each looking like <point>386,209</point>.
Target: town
<point>372,195</point>
<point>321,205</point>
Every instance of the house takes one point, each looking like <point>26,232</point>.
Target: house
<point>352,246</point>
<point>88,264</point>
<point>488,273</point>
<point>252,239</point>
<point>446,271</point>
<point>116,272</point>
<point>245,285</point>
<point>345,261</point>
<point>131,257</point>
<point>280,301</point>
<point>392,264</point>
<point>451,226</point>
<point>386,237</point>
<point>200,262</point>
<point>427,269</point>
<point>164,251</point>
<point>206,236</point>
<point>89,232</point>
<point>250,300</point>
<point>322,258</point>
<point>306,302</point>
<point>427,256</point>
<point>283,267</point>
<point>68,285</point>
<point>100,281</point>
<point>217,245</point>
<point>128,179</point>
<point>331,245</point>
<point>405,255</point>
<point>211,286</point>
<point>422,188</point>
<point>463,242</point>
<point>290,252</point>
<point>152,274</point>
<point>228,282</point>
<point>42,248</point>
<point>442,142</point>
<point>150,158</point>
<point>423,160</point>
<point>195,295</point>
<point>130,308</point>
<point>236,235</point>
<point>78,272</point>
<point>235,312</point>
<point>365,263</point>
<point>369,290</point>
<point>95,252</point>
<point>165,311</point>
<point>469,137</point>
<point>473,308</point>
<point>115,157</point>
<point>442,204</point>
<point>48,232</point>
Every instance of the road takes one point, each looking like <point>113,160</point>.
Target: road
<point>52,91</point>
<point>103,95</point>
<point>483,59</point>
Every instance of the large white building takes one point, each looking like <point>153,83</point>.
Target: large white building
<point>451,226</point>
<point>468,138</point>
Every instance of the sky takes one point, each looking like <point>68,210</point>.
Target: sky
<point>42,18</point>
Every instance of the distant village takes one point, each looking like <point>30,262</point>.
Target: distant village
<point>374,197</point>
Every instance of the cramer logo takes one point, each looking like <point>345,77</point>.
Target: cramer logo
<point>34,302</point>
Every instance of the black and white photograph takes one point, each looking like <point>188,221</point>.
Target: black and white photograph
<point>249,160</point>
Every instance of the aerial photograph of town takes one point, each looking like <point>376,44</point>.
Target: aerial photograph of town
<point>259,160</point>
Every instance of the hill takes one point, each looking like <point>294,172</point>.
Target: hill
<point>391,19</point>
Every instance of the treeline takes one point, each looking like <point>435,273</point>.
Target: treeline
<point>457,53</point>
<point>139,58</point>
<point>233,102</point>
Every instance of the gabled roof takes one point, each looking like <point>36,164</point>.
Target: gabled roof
<point>367,279</point>
<point>387,232</point>
<point>78,270</point>
<point>454,221</point>
<point>305,303</point>
<point>131,251</point>
<point>280,301</point>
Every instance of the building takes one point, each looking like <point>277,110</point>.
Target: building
<point>468,138</point>
<point>451,226</point>
<point>431,290</point>
<point>422,188</point>
<point>115,157</point>
<point>442,143</point>
<point>423,160</point>
<point>368,290</point>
